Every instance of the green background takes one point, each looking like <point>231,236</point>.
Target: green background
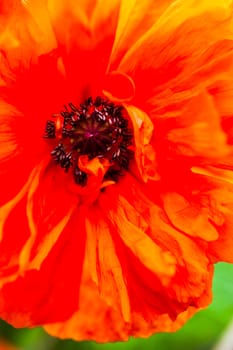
<point>200,333</point>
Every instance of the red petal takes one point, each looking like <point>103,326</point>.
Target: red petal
<point>50,293</point>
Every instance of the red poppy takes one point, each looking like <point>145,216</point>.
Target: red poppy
<point>116,130</point>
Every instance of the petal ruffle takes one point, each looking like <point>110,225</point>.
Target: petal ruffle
<point>156,226</point>
<point>116,276</point>
<point>218,203</point>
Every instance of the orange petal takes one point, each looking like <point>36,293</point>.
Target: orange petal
<point>96,169</point>
<point>215,172</point>
<point>219,199</point>
<point>38,11</point>
<point>222,93</point>
<point>109,278</point>
<point>148,252</point>
<point>80,327</point>
<point>189,218</point>
<point>222,249</point>
<point>20,29</point>
<point>85,56</point>
<point>135,18</point>
<point>144,213</point>
<point>161,57</point>
<point>198,132</point>
<point>145,156</point>
<point>91,323</point>
<point>93,167</point>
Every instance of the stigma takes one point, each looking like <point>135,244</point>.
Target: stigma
<point>96,128</point>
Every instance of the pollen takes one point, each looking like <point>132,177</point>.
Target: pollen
<point>97,128</point>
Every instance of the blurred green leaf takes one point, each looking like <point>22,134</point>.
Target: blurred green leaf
<point>200,333</point>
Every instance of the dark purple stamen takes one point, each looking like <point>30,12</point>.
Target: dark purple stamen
<point>97,128</point>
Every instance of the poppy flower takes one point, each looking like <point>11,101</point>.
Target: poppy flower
<point>116,130</point>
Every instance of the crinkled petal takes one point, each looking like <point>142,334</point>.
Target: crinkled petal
<point>115,278</point>
<point>79,326</point>
<point>218,201</point>
<point>145,155</point>
<point>157,227</point>
<point>104,265</point>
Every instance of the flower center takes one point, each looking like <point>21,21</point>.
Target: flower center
<point>96,128</point>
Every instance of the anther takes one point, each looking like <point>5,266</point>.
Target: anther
<point>80,177</point>
<point>50,129</point>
